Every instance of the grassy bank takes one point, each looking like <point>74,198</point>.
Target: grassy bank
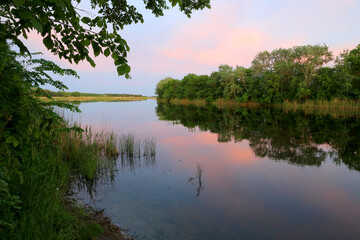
<point>335,104</point>
<point>97,99</point>
<point>223,103</point>
<point>335,107</point>
<point>35,181</point>
<point>196,102</point>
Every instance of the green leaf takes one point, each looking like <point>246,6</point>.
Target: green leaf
<point>18,3</point>
<point>107,52</point>
<point>25,14</point>
<point>37,134</point>
<point>37,25</point>
<point>12,140</point>
<point>123,69</point>
<point>174,2</point>
<point>15,143</point>
<point>120,61</point>
<point>9,139</point>
<point>96,48</point>
<point>24,34</point>
<point>85,42</point>
<point>86,20</point>
<point>92,63</point>
<point>48,42</point>
<point>114,56</point>
<point>99,23</point>
<point>21,46</point>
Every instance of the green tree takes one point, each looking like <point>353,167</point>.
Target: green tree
<point>262,63</point>
<point>347,69</point>
<point>309,59</point>
<point>72,33</point>
<point>76,94</point>
<point>160,87</point>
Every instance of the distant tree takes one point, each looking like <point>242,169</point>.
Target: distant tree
<point>160,87</point>
<point>76,94</point>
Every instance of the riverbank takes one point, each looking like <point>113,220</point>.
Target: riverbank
<point>97,99</point>
<point>109,230</point>
<point>335,107</point>
<point>36,177</point>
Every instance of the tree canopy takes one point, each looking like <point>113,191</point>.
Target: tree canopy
<point>298,74</point>
<point>73,33</point>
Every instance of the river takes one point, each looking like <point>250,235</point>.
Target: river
<point>239,173</point>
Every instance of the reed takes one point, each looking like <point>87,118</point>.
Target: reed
<point>226,103</point>
<point>186,102</point>
<point>132,147</point>
<point>96,99</point>
<point>335,107</point>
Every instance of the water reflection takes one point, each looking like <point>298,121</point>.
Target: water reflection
<point>210,184</point>
<point>197,179</point>
<point>132,156</point>
<point>297,138</point>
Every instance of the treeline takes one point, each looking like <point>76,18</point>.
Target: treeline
<point>299,74</point>
<point>79,94</point>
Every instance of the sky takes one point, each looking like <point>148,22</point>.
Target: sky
<point>231,32</point>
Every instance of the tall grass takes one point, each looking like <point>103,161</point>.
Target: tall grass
<point>334,108</point>
<point>39,181</point>
<point>225,103</point>
<point>97,99</point>
<point>196,102</point>
<point>34,186</point>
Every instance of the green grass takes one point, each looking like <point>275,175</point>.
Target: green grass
<point>34,185</point>
<point>224,103</point>
<point>98,99</point>
<point>132,147</point>
<point>40,184</point>
<point>334,108</point>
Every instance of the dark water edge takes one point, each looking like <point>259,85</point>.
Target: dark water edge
<point>234,174</point>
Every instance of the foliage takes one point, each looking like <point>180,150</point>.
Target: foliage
<point>34,176</point>
<point>297,74</point>
<point>79,94</point>
<point>71,33</point>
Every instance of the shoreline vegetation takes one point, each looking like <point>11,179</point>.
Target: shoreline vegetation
<point>42,155</point>
<point>299,78</point>
<point>96,99</point>
<point>91,97</point>
<point>335,107</point>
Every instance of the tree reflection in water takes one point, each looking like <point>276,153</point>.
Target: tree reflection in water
<point>132,157</point>
<point>197,179</point>
<point>298,138</point>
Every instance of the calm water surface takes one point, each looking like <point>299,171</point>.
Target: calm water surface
<point>232,174</point>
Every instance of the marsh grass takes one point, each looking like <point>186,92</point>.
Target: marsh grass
<point>132,147</point>
<point>40,184</point>
<point>37,188</point>
<point>94,155</point>
<point>97,99</point>
<point>186,102</point>
<point>337,108</point>
<point>224,103</point>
